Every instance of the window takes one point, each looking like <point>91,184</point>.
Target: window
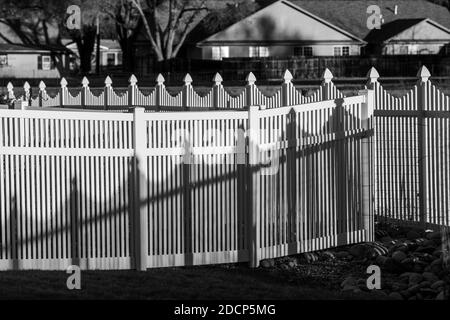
<point>218,53</point>
<point>345,51</point>
<point>258,52</point>
<point>3,60</point>
<point>303,51</point>
<point>111,59</point>
<point>403,50</point>
<point>341,51</point>
<point>45,63</point>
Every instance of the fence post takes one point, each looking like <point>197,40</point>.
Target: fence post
<point>10,89</point>
<point>132,91</point>
<point>327,85</point>
<point>84,90</point>
<point>159,91</point>
<point>422,101</point>
<point>286,89</point>
<point>187,91</point>
<point>140,192</point>
<point>367,161</point>
<point>63,92</point>
<point>250,90</point>
<point>27,93</point>
<point>107,95</point>
<point>254,184</point>
<point>42,94</point>
<point>217,89</point>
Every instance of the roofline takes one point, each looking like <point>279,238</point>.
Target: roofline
<point>423,20</point>
<point>284,42</point>
<point>292,5</point>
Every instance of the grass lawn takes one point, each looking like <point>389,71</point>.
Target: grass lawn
<point>212,282</point>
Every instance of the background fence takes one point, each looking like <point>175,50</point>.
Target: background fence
<point>136,190</point>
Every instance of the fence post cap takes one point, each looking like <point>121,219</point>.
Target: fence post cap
<point>187,79</point>
<point>9,86</point>
<point>133,80</point>
<point>423,74</point>
<point>108,81</point>
<point>42,85</point>
<point>160,79</point>
<point>373,75</point>
<point>85,82</point>
<point>327,75</point>
<point>26,86</point>
<point>63,83</point>
<point>287,76</point>
<point>251,79</point>
<point>217,79</point>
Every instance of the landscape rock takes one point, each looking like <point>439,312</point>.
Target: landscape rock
<point>414,278</point>
<point>440,296</point>
<point>359,250</point>
<point>438,284</point>
<point>267,263</point>
<point>429,276</point>
<point>395,296</point>
<point>399,256</point>
<point>350,281</point>
<point>381,260</point>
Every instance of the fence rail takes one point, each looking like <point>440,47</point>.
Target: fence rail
<point>141,190</point>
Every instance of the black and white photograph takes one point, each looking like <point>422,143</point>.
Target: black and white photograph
<point>222,157</point>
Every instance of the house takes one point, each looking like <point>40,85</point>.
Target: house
<point>110,52</point>
<point>30,62</point>
<point>331,28</point>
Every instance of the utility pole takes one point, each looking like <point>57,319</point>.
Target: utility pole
<point>97,62</point>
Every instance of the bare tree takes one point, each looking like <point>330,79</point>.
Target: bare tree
<point>168,22</point>
<point>127,21</point>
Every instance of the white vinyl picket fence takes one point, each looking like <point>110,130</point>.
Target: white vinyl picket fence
<point>160,99</point>
<point>112,190</point>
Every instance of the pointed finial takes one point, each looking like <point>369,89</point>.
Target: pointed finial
<point>187,79</point>
<point>287,76</point>
<point>251,79</point>
<point>26,86</point>
<point>63,83</point>
<point>327,75</point>
<point>423,74</point>
<point>217,79</point>
<point>85,82</point>
<point>373,75</point>
<point>132,80</point>
<point>108,81</point>
<point>160,79</point>
<point>42,86</point>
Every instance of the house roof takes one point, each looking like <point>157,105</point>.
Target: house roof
<point>282,21</point>
<point>351,15</point>
<point>16,48</point>
<point>108,44</point>
<point>391,29</point>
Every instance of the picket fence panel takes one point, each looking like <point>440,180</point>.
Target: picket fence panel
<point>412,152</point>
<point>112,190</point>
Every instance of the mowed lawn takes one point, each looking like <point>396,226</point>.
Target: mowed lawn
<point>215,282</point>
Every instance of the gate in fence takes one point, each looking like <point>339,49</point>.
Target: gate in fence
<point>155,189</point>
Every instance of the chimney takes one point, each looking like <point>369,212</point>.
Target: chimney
<point>396,9</point>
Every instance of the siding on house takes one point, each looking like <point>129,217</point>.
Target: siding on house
<point>25,65</point>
